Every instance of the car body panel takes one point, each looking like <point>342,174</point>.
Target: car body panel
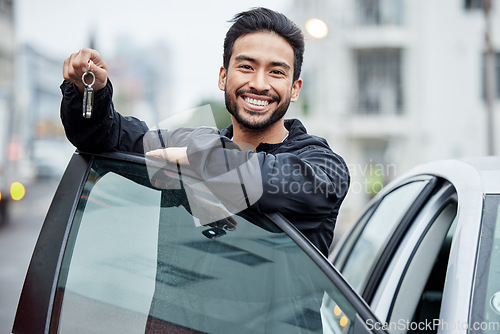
<point>463,254</point>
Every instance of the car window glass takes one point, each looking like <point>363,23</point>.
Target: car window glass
<point>137,261</point>
<point>377,232</point>
<point>341,252</point>
<point>418,299</point>
<point>111,255</point>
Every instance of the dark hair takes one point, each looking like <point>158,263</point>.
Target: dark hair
<point>263,19</point>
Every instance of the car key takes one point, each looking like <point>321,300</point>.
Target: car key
<point>88,94</point>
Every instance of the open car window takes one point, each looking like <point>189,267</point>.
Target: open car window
<point>137,261</point>
<point>364,246</point>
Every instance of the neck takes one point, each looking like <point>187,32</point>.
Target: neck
<point>250,139</point>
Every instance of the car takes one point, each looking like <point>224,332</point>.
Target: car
<point>120,251</point>
<point>425,253</point>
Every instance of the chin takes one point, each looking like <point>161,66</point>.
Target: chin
<point>253,124</point>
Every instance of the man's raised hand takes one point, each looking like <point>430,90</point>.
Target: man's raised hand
<point>77,64</point>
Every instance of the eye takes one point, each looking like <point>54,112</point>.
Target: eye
<point>278,72</point>
<point>245,67</point>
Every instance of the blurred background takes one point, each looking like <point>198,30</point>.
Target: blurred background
<point>389,83</point>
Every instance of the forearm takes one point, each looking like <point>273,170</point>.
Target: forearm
<point>309,183</point>
<point>106,130</point>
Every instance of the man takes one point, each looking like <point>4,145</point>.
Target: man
<point>302,178</point>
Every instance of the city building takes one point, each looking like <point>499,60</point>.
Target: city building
<point>396,83</point>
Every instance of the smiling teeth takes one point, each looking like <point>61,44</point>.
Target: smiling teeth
<point>256,102</point>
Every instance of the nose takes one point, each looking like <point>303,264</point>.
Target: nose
<point>259,81</point>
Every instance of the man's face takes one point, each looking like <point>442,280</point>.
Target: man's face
<point>258,82</point>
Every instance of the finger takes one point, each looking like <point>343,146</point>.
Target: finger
<point>159,153</point>
<point>68,71</point>
<point>172,154</point>
<point>73,67</point>
<point>75,60</point>
<point>65,69</point>
<point>178,155</point>
<point>101,75</point>
<point>81,60</point>
<point>91,59</point>
<point>97,59</point>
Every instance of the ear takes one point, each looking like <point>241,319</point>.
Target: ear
<point>296,87</point>
<point>222,78</point>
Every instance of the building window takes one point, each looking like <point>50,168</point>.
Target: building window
<point>380,12</point>
<point>379,78</point>
<point>6,6</point>
<point>473,4</point>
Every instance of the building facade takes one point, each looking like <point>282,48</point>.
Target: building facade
<point>396,83</point>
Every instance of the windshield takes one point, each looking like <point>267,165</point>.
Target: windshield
<point>137,260</point>
<point>485,317</point>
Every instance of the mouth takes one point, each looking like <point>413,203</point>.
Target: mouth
<point>256,103</point>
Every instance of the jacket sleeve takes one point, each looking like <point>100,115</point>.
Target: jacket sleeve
<point>106,130</point>
<point>310,181</point>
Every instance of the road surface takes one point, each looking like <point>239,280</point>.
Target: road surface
<point>17,240</point>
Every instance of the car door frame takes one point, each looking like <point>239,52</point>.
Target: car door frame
<point>383,302</point>
<point>391,244</point>
<point>37,300</point>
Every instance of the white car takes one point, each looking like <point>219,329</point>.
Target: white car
<point>426,253</point>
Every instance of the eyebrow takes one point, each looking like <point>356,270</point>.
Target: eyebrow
<point>253,60</point>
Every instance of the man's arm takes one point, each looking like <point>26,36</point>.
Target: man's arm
<point>311,182</point>
<point>106,130</point>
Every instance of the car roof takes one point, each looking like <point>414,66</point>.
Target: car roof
<point>480,175</point>
<point>489,171</point>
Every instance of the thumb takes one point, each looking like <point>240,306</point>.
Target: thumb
<point>101,74</point>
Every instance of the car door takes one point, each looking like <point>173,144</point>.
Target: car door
<point>396,256</point>
<point>118,253</point>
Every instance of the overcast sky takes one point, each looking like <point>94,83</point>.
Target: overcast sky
<point>193,29</point>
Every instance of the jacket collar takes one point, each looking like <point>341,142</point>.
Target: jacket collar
<point>294,127</point>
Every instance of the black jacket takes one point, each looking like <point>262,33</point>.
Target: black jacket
<point>302,178</point>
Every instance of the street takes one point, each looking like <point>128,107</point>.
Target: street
<point>17,240</point>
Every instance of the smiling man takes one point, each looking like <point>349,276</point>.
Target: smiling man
<point>297,173</point>
<point>259,85</point>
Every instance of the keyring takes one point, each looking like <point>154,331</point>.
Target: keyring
<point>93,78</point>
<point>88,94</point>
